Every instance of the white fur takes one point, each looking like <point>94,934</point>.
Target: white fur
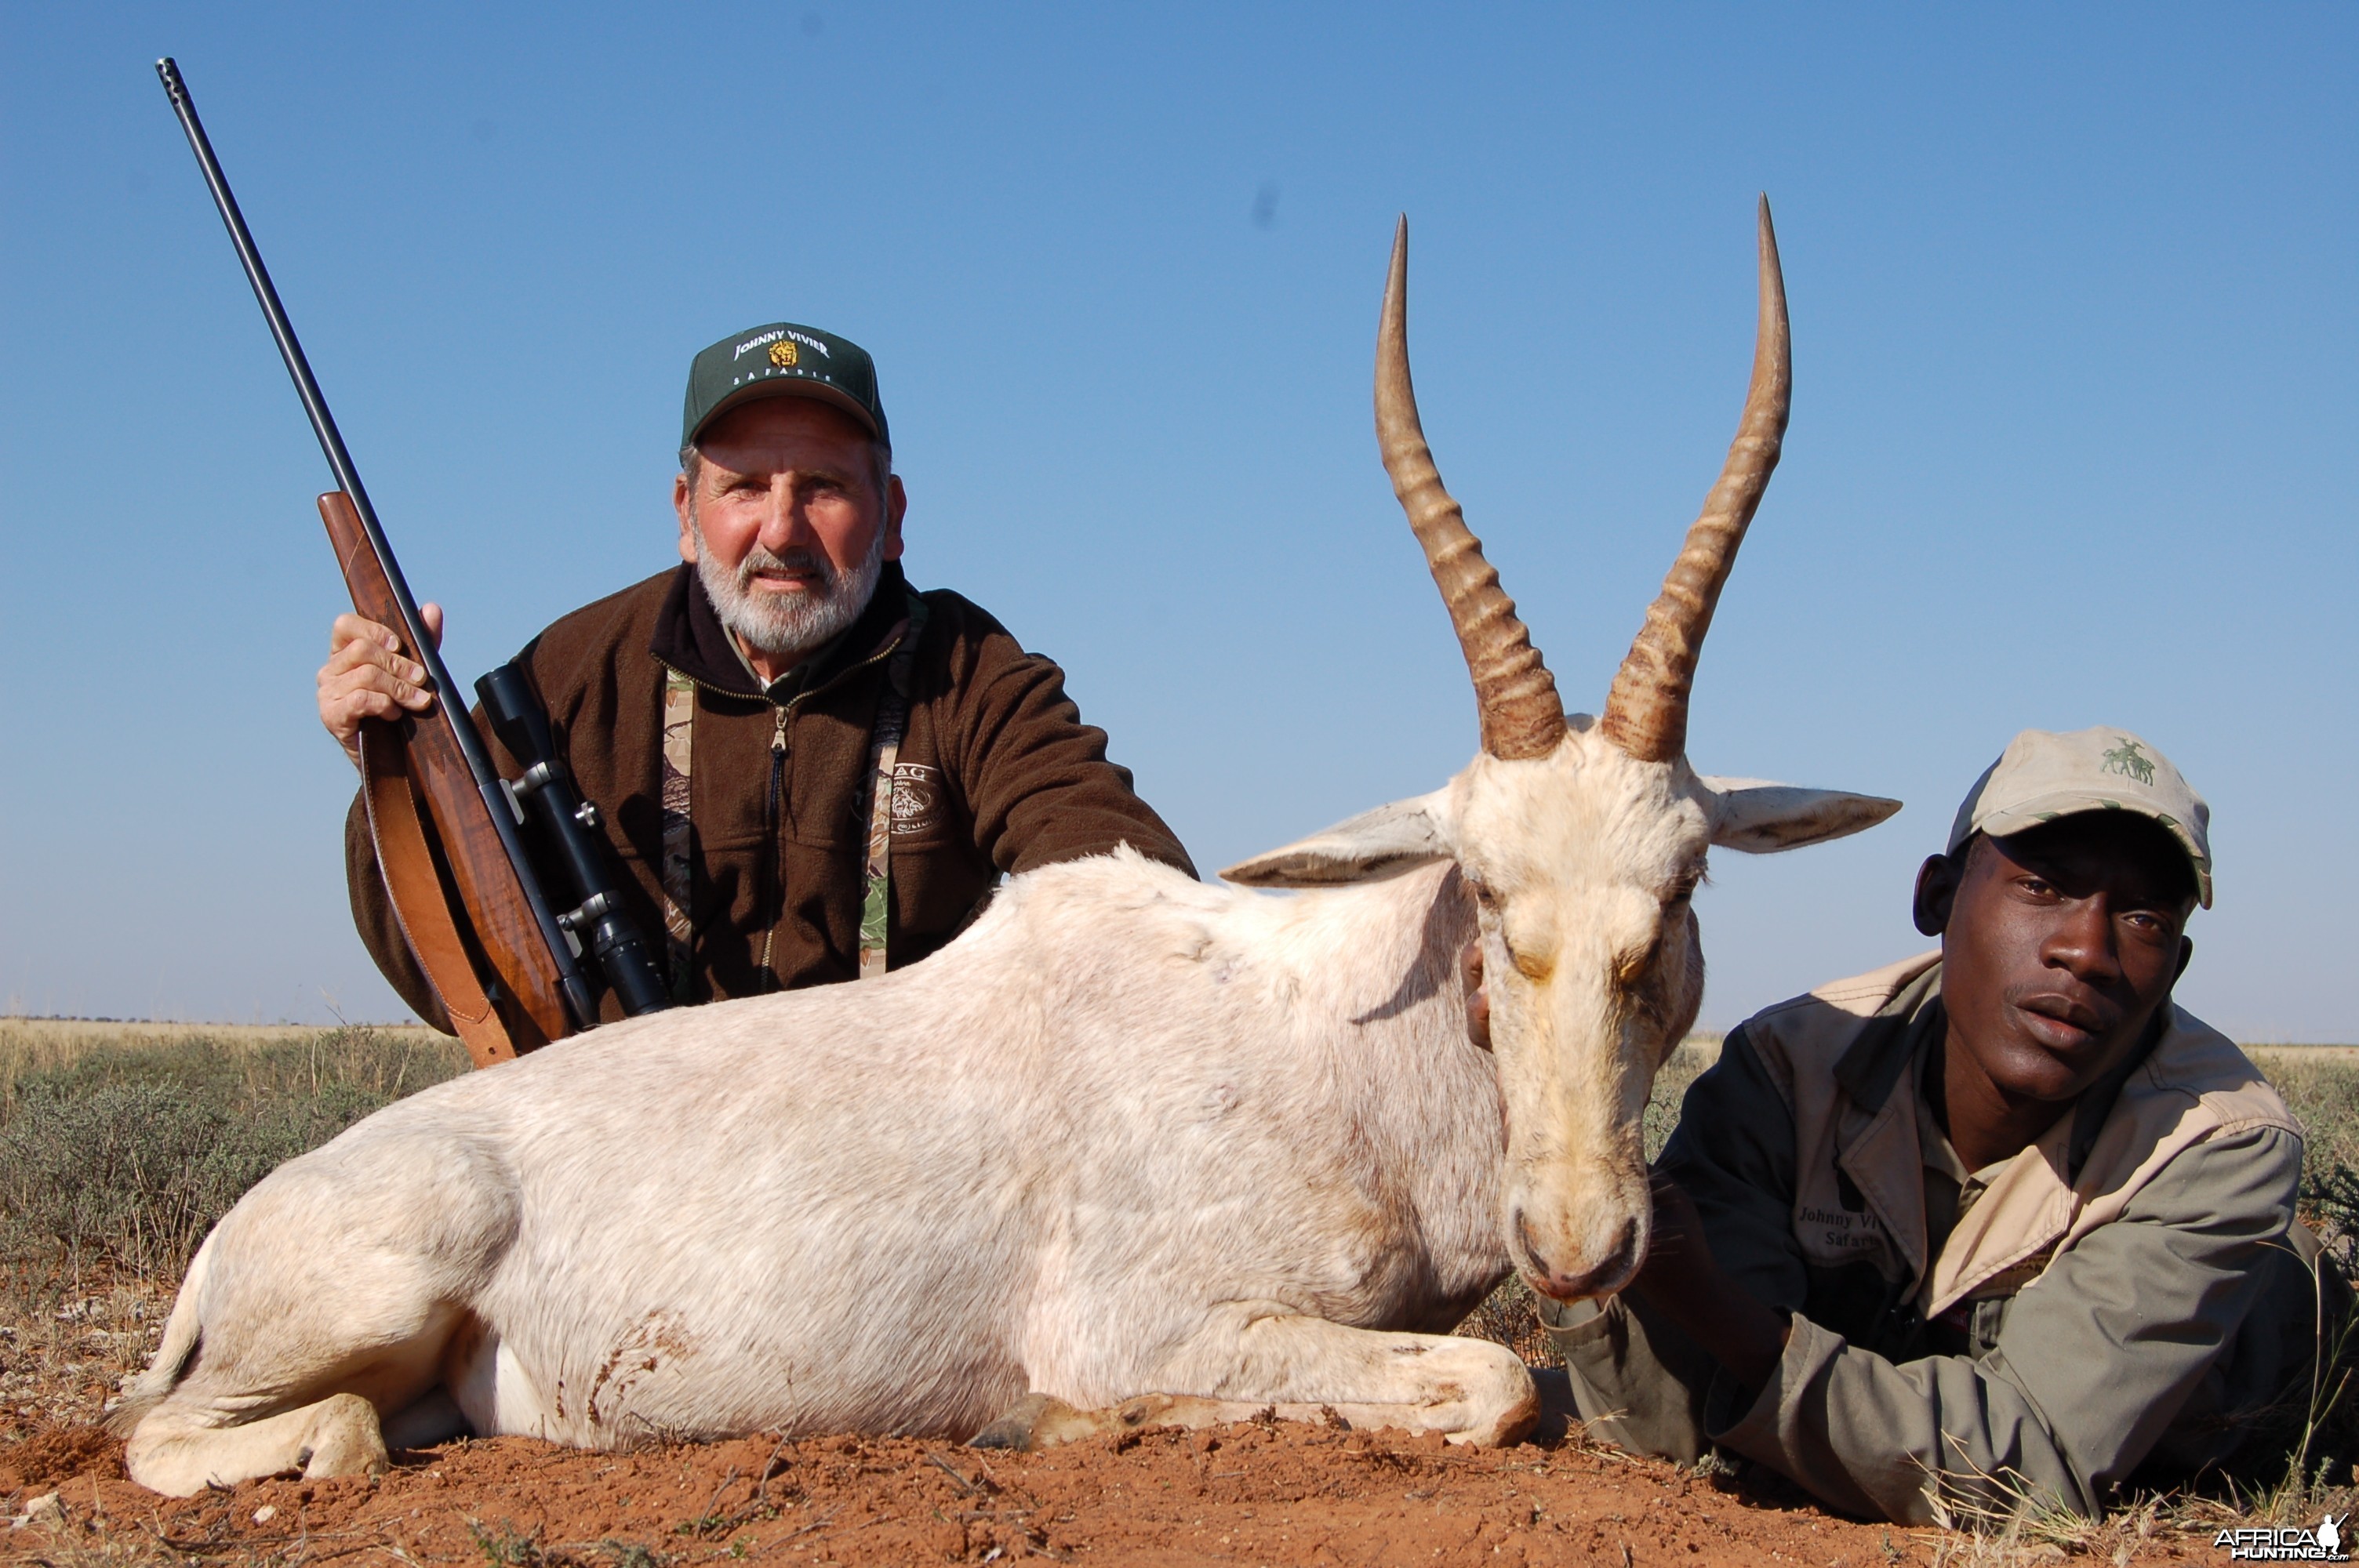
<point>1073,1153</point>
<point>1131,1134</point>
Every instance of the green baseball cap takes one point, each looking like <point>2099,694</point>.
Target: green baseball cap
<point>782,360</point>
<point>2043,775</point>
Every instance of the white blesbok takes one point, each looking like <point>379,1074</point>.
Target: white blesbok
<point>1132,1138</point>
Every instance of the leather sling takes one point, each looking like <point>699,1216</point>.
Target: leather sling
<point>398,833</point>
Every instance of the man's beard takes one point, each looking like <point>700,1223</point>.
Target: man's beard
<point>787,625</point>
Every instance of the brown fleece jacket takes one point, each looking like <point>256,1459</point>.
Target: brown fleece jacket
<point>1013,780</point>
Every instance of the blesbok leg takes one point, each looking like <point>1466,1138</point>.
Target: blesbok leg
<point>331,1293</point>
<point>1305,1368</point>
<point>177,1452</point>
<point>323,1391</point>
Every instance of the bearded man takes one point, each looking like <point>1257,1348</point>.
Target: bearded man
<point>749,722</point>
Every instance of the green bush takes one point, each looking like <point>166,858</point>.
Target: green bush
<point>129,1155</point>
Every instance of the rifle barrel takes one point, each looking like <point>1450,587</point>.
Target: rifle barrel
<point>307,387</point>
<point>348,480</point>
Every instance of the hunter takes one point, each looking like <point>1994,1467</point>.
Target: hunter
<point>750,720</point>
<point>1998,1226</point>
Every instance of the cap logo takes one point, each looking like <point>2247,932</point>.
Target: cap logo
<point>782,353</point>
<point>2129,761</point>
<point>772,336</point>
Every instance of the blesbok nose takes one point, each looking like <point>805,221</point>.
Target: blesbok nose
<point>1602,1278</point>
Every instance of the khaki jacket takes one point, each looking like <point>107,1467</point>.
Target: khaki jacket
<point>1836,1055</point>
<point>2125,1290</point>
<point>996,774</point>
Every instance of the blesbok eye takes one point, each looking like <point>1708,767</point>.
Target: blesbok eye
<point>1682,890</point>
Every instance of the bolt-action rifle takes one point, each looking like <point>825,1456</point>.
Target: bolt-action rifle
<point>500,930</point>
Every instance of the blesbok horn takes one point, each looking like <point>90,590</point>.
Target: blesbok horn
<point>1647,711</point>
<point>1521,715</point>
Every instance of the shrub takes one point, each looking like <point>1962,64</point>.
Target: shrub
<point>129,1155</point>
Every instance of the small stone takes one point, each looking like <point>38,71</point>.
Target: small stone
<point>46,1506</point>
<point>264,1514</point>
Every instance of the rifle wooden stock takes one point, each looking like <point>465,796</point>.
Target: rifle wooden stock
<point>459,903</point>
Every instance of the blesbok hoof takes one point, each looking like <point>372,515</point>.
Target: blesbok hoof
<point>345,1440</point>
<point>1510,1426</point>
<point>1034,1421</point>
<point>1039,1421</point>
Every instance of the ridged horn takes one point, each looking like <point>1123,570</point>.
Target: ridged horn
<point>1521,715</point>
<point>1647,711</point>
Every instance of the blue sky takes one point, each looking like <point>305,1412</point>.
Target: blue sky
<point>2077,376</point>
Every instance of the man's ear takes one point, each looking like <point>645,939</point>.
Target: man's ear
<point>680,504</point>
<point>1937,893</point>
<point>1364,849</point>
<point>1759,818</point>
<point>2186,956</point>
<point>896,505</point>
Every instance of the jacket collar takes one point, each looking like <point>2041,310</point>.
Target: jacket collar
<point>1875,1134</point>
<point>1914,1019</point>
<point>1887,1043</point>
<point>689,638</point>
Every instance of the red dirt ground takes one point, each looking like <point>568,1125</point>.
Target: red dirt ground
<point>1276,1494</point>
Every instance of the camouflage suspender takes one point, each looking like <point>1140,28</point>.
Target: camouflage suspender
<point>884,758</point>
<point>678,743</point>
<point>884,762</point>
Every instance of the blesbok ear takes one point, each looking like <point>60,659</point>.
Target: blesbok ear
<point>1363,849</point>
<point>1758,818</point>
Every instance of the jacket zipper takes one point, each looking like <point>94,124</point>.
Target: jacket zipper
<point>773,817</point>
<point>774,807</point>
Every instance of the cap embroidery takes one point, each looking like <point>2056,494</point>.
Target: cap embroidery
<point>782,353</point>
<point>2129,761</point>
<point>756,341</point>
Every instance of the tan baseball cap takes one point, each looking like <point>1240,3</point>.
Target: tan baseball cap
<point>2045,773</point>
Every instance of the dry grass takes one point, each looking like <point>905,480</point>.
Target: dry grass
<point>69,1341</point>
<point>120,1144</point>
<point>266,1055</point>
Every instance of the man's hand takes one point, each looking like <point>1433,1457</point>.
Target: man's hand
<point>365,678</point>
<point>1681,1280</point>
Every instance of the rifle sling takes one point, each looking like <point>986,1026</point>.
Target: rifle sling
<point>397,832</point>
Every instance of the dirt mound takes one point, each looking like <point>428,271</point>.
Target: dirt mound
<point>1248,1494</point>
<point>58,1455</point>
